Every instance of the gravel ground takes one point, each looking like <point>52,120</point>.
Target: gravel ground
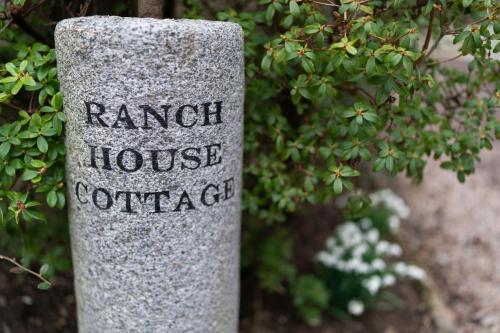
<point>454,230</point>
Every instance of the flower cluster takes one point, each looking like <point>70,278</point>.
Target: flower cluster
<point>357,256</point>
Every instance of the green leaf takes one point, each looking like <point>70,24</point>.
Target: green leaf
<point>351,49</point>
<point>467,3</point>
<point>460,37</point>
<point>27,80</point>
<point>294,8</point>
<point>308,65</point>
<point>337,186</point>
<point>23,65</point>
<point>15,89</point>
<point>4,149</point>
<point>42,144</point>
<point>43,286</point>
<point>52,198</point>
<point>9,79</point>
<point>11,68</point>
<point>29,174</point>
<point>44,269</point>
<point>57,101</point>
<point>266,63</point>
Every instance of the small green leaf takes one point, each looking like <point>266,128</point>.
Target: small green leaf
<point>43,286</point>
<point>57,101</point>
<point>467,3</point>
<point>44,269</point>
<point>266,63</point>
<point>29,174</point>
<point>337,186</point>
<point>11,68</point>
<point>42,144</point>
<point>27,80</point>
<point>351,49</point>
<point>4,149</point>
<point>15,89</point>
<point>52,198</point>
<point>23,65</point>
<point>294,8</point>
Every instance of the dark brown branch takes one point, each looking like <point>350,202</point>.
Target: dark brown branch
<point>429,31</point>
<point>150,8</point>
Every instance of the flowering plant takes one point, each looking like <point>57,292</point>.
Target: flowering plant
<point>358,261</point>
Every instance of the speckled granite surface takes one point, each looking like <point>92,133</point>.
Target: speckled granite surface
<point>154,157</point>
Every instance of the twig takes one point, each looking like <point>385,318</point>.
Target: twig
<point>13,106</point>
<point>27,270</point>
<point>84,8</point>
<point>5,26</point>
<point>445,61</point>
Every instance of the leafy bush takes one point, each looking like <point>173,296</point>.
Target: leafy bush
<point>333,88</point>
<point>336,88</point>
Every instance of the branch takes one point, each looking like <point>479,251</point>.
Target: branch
<point>150,8</point>
<point>429,32</point>
<point>27,270</point>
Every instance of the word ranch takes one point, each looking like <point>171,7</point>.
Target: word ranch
<point>155,202</point>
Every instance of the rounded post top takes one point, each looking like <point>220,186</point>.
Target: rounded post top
<point>111,23</point>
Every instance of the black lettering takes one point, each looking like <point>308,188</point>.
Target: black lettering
<point>229,188</point>
<point>149,110</point>
<point>154,159</point>
<point>193,158</point>
<point>215,196</point>
<point>157,196</point>
<point>179,116</point>
<point>128,197</point>
<point>212,157</point>
<point>77,187</point>
<point>96,115</point>
<point>137,157</point>
<point>109,199</point>
<point>105,158</point>
<point>216,113</point>
<point>184,200</point>
<point>123,116</point>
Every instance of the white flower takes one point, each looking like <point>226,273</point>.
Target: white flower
<point>395,250</point>
<point>366,223</point>
<point>415,272</point>
<point>378,264</point>
<point>372,236</point>
<point>360,250</point>
<point>382,247</point>
<point>394,223</point>
<point>392,201</point>
<point>373,284</point>
<point>350,234</point>
<point>401,268</point>
<point>326,259</point>
<point>388,280</point>
<point>355,307</point>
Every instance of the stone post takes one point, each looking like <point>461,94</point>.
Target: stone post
<point>154,161</point>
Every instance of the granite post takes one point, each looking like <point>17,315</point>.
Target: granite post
<point>154,161</point>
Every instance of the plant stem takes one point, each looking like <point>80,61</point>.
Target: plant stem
<point>27,270</point>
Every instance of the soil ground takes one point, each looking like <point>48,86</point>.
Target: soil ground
<point>454,230</point>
